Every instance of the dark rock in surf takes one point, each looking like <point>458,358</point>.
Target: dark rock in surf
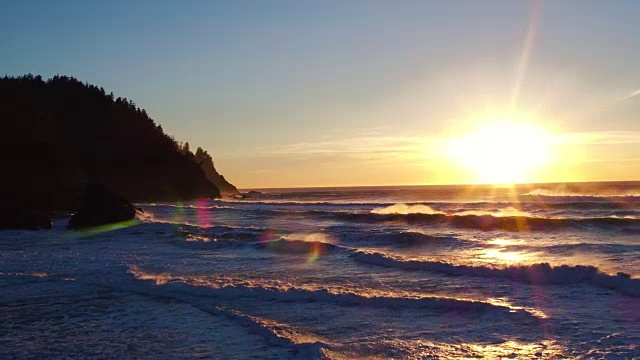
<point>18,219</point>
<point>100,206</point>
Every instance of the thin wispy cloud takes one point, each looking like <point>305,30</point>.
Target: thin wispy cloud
<point>401,146</point>
<point>375,148</point>
<point>631,95</point>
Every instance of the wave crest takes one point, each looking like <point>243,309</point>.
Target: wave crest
<point>535,274</point>
<point>489,222</point>
<point>571,194</point>
<point>404,209</point>
<point>229,289</point>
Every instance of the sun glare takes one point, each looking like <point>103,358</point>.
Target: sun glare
<point>503,152</point>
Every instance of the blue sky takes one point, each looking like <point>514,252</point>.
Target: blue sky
<point>307,93</point>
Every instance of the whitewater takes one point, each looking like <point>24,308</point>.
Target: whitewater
<point>336,273</point>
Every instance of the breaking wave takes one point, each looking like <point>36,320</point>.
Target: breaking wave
<point>491,222</point>
<point>509,219</point>
<point>535,274</point>
<point>305,344</point>
<point>227,289</point>
<point>185,206</point>
<point>524,201</point>
<point>405,209</point>
<point>570,194</point>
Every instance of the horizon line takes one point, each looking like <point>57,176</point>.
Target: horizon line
<point>434,185</point>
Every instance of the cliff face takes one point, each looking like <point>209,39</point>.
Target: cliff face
<point>56,135</point>
<point>206,162</point>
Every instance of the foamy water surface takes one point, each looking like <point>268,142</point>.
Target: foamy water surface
<point>405,273</point>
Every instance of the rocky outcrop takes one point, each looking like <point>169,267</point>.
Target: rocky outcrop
<point>206,162</point>
<point>100,206</point>
<point>18,219</point>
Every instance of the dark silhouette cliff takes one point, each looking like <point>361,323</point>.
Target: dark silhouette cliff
<point>206,162</point>
<point>58,134</point>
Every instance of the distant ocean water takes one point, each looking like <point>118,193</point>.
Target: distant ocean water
<point>391,272</point>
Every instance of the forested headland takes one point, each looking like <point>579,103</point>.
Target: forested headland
<point>58,134</point>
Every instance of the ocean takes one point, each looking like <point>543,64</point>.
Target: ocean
<point>531,271</point>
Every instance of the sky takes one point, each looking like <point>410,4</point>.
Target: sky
<point>358,92</point>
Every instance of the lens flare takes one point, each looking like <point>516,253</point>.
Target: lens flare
<point>202,212</point>
<point>313,245</point>
<point>109,227</point>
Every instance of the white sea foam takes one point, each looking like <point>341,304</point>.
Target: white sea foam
<point>350,276</point>
<point>508,211</point>
<point>537,274</point>
<point>600,194</point>
<point>229,288</point>
<point>405,209</point>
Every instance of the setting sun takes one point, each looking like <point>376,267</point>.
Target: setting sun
<point>503,152</point>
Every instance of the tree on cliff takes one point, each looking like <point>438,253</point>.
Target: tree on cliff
<point>59,133</point>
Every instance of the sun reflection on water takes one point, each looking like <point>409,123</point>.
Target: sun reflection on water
<point>504,242</point>
<point>502,256</point>
<point>499,254</point>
